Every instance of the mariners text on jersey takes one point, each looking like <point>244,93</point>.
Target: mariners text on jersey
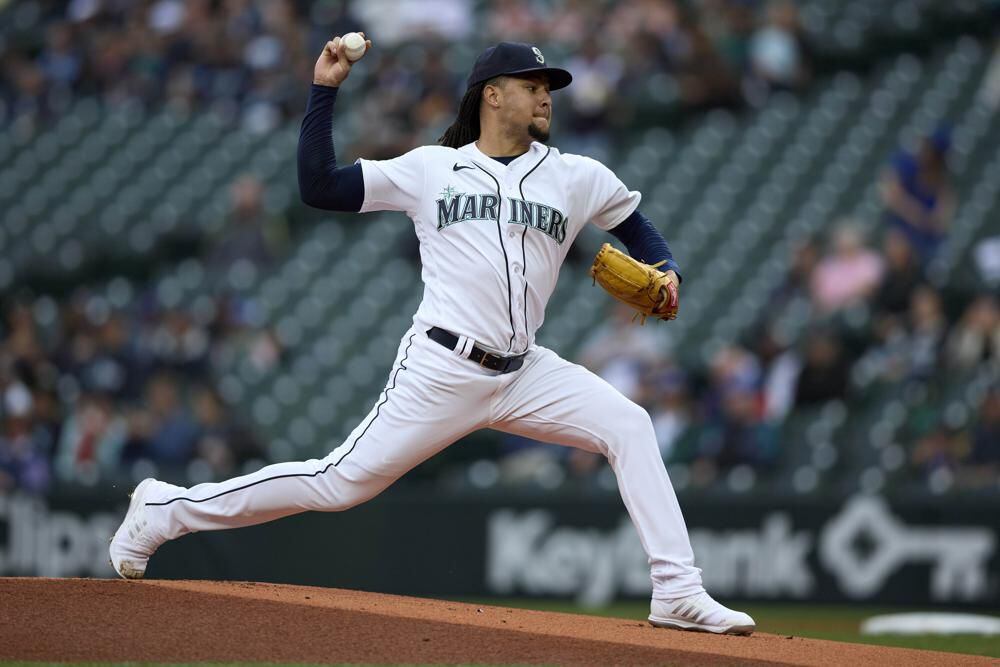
<point>455,207</point>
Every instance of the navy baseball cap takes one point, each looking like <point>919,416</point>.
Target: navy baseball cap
<point>515,58</point>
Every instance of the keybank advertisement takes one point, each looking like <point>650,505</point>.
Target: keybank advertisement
<point>861,548</point>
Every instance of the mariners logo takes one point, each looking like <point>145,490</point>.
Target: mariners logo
<point>454,207</point>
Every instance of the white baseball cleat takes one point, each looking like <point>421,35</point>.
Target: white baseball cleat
<point>134,541</point>
<point>699,612</point>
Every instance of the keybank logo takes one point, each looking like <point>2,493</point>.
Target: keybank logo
<point>528,552</point>
<point>957,555</point>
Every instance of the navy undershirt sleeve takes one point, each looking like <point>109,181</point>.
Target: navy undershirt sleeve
<point>321,182</point>
<point>644,242</point>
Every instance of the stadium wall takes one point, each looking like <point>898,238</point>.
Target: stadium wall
<point>858,548</point>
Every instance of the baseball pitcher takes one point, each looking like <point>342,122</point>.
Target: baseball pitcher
<point>495,209</point>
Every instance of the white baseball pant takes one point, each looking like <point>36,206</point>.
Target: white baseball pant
<point>432,398</point>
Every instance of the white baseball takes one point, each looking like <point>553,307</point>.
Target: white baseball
<point>354,46</point>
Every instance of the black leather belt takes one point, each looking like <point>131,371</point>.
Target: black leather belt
<point>494,362</point>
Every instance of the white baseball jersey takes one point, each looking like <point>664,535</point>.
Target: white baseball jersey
<point>492,237</point>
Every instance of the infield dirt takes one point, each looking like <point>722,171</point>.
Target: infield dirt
<point>70,620</point>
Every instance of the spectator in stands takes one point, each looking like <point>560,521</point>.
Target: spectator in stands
<point>986,259</point>
<point>781,367</point>
<point>918,196</point>
<point>115,366</point>
<point>825,370</point>
<point>236,333</point>
<point>779,56</point>
<point>178,342</point>
<point>982,467</point>
<point>384,116</point>
<point>731,25</point>
<point>975,339</point>
<point>60,60</point>
<point>434,108</point>
<point>165,431</point>
<point>25,362</point>
<point>24,90</point>
<point>802,265</point>
<point>902,275</point>
<point>733,367</point>
<point>926,332</point>
<point>847,275</point>
<point>92,440</point>
<point>23,341</point>
<point>330,18</point>
<point>704,80</point>
<point>656,18</point>
<point>566,21</point>
<point>887,356</point>
<point>943,448</point>
<point>741,436</point>
<point>670,411</point>
<point>24,447</point>
<point>401,21</point>
<point>46,412</point>
<point>514,17</point>
<point>250,234</point>
<point>596,74</point>
<point>76,347</point>
<point>222,443</point>
<point>621,352</point>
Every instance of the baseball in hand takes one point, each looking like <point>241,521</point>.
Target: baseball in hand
<point>354,46</point>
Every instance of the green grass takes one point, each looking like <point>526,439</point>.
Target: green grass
<point>834,622</point>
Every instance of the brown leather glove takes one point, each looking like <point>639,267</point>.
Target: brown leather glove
<point>652,293</point>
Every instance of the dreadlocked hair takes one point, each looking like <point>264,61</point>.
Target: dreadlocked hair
<point>465,129</point>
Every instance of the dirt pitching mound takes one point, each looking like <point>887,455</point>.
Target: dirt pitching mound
<point>190,621</point>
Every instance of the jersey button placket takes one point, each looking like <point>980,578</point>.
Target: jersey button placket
<point>516,283</point>
<point>510,186</point>
<point>515,230</point>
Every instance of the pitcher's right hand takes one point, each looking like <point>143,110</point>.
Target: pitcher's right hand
<point>332,67</point>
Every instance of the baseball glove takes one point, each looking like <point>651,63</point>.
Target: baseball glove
<point>650,292</point>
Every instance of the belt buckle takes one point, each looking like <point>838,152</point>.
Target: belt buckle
<point>482,361</point>
<point>504,362</point>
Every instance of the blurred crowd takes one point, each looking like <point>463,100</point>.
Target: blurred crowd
<point>252,59</point>
<point>94,387</point>
<point>875,319</point>
<point>91,390</point>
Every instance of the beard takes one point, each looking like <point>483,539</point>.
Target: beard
<point>537,133</point>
